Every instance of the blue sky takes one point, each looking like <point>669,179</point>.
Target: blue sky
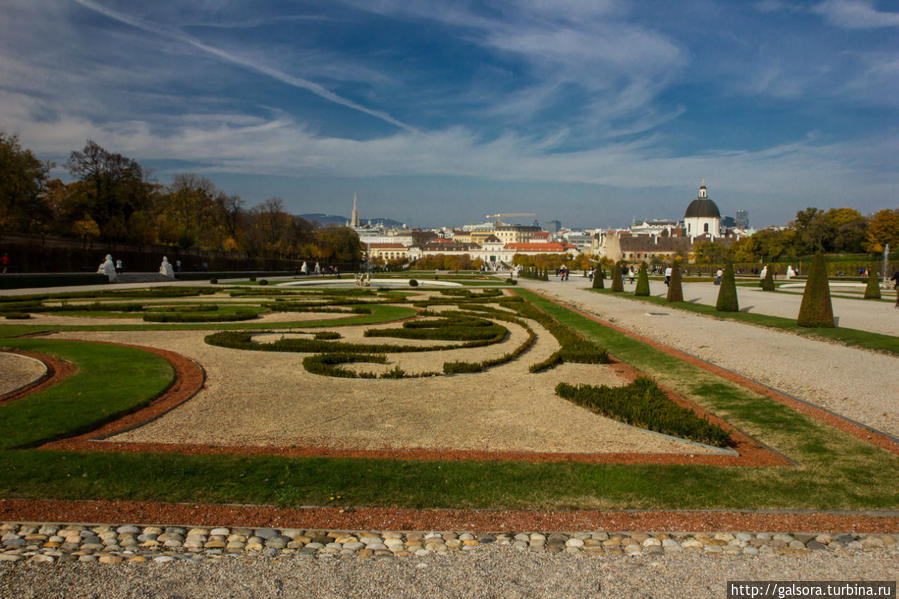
<point>591,112</point>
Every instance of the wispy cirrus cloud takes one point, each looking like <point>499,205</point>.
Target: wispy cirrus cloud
<point>299,82</point>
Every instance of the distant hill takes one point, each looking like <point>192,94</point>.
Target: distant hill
<point>331,219</point>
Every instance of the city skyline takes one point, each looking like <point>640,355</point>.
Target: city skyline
<point>591,113</point>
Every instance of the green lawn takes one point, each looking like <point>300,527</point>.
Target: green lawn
<point>833,471</point>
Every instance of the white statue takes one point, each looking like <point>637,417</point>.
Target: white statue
<point>318,269</point>
<point>790,272</point>
<point>166,269</point>
<point>304,268</point>
<point>108,269</point>
<point>764,272</point>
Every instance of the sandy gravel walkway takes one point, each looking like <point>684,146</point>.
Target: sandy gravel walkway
<point>490,571</point>
<point>268,398</point>
<point>855,383</point>
<point>17,371</point>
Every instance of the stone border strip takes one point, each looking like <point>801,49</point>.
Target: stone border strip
<point>43,543</point>
<point>860,431</point>
<point>58,370</point>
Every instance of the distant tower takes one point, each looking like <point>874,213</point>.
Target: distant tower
<point>742,219</point>
<point>702,216</point>
<point>355,218</point>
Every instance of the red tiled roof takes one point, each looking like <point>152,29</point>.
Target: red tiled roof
<point>386,246</point>
<point>544,248</point>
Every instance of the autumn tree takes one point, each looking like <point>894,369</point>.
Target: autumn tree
<point>883,229</point>
<point>849,227</point>
<point>114,188</point>
<point>23,207</point>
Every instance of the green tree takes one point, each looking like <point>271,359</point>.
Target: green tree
<point>341,245</point>
<point>710,252</point>
<point>849,228</point>
<point>814,231</point>
<point>727,292</point>
<point>598,277</point>
<point>772,244</point>
<point>642,281</point>
<point>872,290</point>
<point>23,206</point>
<point>816,309</point>
<point>617,283</point>
<point>768,281</point>
<point>675,288</point>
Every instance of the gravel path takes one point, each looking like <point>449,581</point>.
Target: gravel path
<point>269,399</point>
<point>855,383</point>
<point>484,573</point>
<point>18,371</point>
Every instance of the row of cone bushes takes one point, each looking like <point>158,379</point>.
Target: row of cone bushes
<point>816,309</point>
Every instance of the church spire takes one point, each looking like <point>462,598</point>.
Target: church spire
<point>355,218</point>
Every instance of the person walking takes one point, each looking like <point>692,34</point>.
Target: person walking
<point>718,275</point>
<point>4,263</point>
<point>667,275</point>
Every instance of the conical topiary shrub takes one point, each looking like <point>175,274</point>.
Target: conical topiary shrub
<point>598,277</point>
<point>617,283</point>
<point>642,281</point>
<point>727,293</point>
<point>816,309</point>
<point>872,291</point>
<point>768,281</point>
<point>675,289</point>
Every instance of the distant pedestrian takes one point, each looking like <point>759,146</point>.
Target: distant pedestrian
<point>119,265</point>
<point>177,265</point>
<point>718,275</point>
<point>667,275</point>
<point>4,263</point>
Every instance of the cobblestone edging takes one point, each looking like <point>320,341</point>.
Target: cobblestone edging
<point>109,544</point>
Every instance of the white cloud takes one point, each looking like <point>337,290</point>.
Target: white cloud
<point>856,14</point>
<point>281,146</point>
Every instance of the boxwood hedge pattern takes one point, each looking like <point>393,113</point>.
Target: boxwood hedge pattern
<point>644,405</point>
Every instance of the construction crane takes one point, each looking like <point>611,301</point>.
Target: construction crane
<point>500,215</point>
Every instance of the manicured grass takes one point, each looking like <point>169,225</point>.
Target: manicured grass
<point>834,470</point>
<point>110,381</point>
<point>851,337</point>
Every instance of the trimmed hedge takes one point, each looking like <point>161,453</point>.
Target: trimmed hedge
<point>727,292</point>
<point>617,281</point>
<point>872,291</point>
<point>675,288</point>
<point>768,281</point>
<point>236,315</point>
<point>644,405</point>
<point>642,281</point>
<point>598,278</point>
<point>816,309</point>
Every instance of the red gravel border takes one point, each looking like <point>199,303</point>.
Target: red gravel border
<point>58,370</point>
<point>855,429</point>
<point>336,518</point>
<point>189,379</point>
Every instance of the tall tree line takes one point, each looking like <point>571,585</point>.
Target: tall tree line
<point>112,198</point>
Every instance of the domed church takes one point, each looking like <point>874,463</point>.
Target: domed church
<point>702,216</point>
